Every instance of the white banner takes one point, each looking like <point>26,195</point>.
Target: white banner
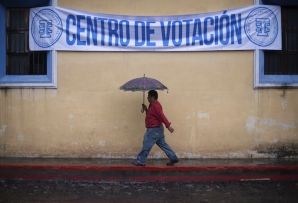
<point>245,28</point>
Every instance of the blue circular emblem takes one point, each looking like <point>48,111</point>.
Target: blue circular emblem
<point>261,26</point>
<point>46,28</point>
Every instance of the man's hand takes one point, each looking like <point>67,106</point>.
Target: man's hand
<point>171,129</point>
<point>144,107</point>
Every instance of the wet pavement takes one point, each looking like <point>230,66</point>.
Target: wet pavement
<point>173,192</point>
<point>116,180</point>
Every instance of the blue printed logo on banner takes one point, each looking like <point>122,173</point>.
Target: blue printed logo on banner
<point>261,26</point>
<point>46,28</point>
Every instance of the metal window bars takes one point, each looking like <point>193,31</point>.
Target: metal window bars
<point>285,61</point>
<point>19,59</point>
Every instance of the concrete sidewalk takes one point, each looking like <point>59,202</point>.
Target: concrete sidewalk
<point>155,170</point>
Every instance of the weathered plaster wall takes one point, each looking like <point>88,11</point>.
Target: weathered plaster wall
<point>211,103</point>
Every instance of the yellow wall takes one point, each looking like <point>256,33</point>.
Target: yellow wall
<point>211,103</point>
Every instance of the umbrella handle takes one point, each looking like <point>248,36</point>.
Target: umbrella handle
<point>142,110</point>
<point>143,97</point>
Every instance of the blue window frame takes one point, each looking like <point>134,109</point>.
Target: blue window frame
<point>262,80</point>
<point>25,81</point>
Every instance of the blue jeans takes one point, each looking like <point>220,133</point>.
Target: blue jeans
<point>151,137</point>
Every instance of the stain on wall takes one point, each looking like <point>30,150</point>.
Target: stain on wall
<point>279,149</point>
<point>2,130</point>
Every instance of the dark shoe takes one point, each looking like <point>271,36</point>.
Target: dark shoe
<point>137,164</point>
<point>171,163</point>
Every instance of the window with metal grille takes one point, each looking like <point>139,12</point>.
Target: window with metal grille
<point>19,59</point>
<point>285,61</point>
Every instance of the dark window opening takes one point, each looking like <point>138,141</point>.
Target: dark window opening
<point>285,61</point>
<point>19,59</point>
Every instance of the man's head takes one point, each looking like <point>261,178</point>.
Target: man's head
<point>152,95</point>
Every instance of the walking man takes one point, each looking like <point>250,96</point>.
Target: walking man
<point>155,131</point>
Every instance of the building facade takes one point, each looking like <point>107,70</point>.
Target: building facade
<point>221,104</point>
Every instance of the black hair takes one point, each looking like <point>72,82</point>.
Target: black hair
<point>153,93</point>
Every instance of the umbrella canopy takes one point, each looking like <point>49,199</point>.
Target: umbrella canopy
<point>143,84</point>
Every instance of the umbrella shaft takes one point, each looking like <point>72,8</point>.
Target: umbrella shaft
<point>143,97</point>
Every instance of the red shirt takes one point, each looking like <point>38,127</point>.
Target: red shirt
<point>155,116</point>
